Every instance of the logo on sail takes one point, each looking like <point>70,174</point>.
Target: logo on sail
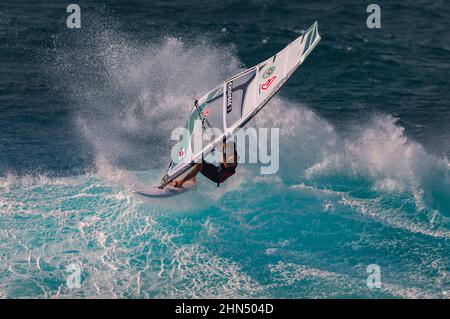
<point>206,111</point>
<point>266,85</point>
<point>268,72</point>
<point>181,154</point>
<point>229,94</point>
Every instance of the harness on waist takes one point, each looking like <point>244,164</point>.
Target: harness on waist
<point>222,172</point>
<point>217,174</point>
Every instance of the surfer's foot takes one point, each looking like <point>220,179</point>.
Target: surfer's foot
<point>177,183</point>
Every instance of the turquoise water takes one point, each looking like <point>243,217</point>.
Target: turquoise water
<point>364,178</point>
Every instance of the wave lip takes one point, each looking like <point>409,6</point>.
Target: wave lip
<point>381,154</point>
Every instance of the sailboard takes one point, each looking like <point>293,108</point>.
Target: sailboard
<point>167,191</point>
<point>234,102</point>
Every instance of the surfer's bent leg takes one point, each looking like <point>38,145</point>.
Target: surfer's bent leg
<point>210,171</point>
<point>191,176</point>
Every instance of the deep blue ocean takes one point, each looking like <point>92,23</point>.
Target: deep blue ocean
<point>86,116</point>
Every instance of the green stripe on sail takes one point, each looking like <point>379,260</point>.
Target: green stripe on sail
<point>194,117</point>
<point>312,35</point>
<point>307,43</point>
<point>190,124</point>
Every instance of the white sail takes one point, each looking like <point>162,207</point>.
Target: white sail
<point>231,104</point>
